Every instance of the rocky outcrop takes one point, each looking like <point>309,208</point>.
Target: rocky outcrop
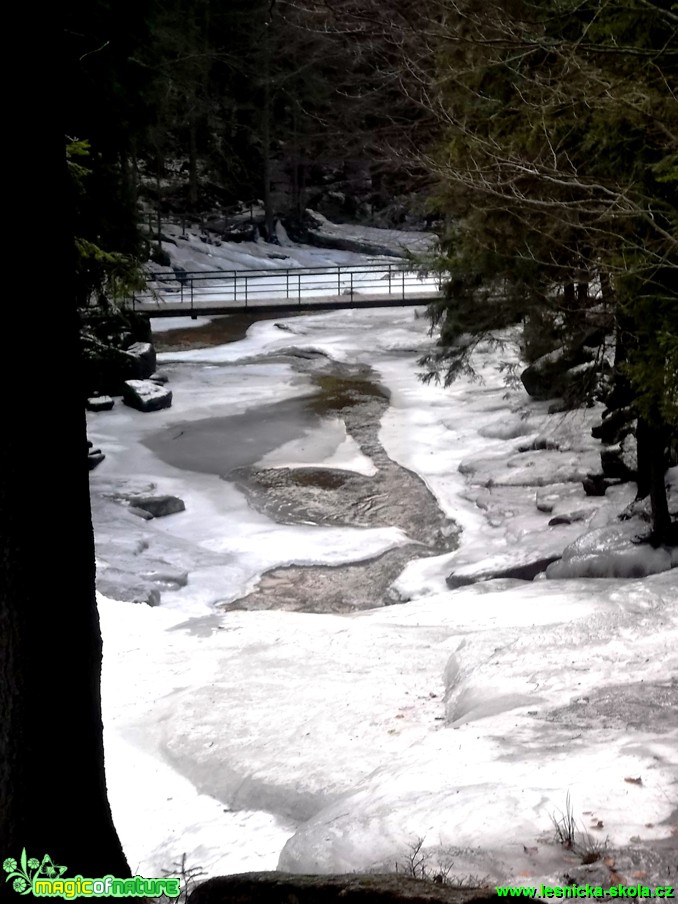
<point>287,888</point>
<point>146,395</point>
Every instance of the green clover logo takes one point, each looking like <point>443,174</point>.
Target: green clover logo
<point>23,873</point>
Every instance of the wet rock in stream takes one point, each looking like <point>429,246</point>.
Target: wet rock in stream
<point>322,588</point>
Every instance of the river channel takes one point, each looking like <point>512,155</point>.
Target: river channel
<point>392,496</point>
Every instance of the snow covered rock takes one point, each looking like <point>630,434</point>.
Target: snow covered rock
<point>597,484</point>
<point>557,373</point>
<point>145,395</point>
<point>610,552</point>
<point>99,403</point>
<point>94,458</point>
<point>621,460</point>
<point>526,571</point>
<point>117,585</point>
<point>140,513</point>
<point>143,357</point>
<point>141,581</point>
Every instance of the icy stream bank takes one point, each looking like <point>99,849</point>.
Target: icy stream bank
<point>344,398</point>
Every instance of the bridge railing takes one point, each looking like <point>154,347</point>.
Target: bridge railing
<point>246,288</point>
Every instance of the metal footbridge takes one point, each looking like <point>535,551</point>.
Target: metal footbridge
<point>178,293</point>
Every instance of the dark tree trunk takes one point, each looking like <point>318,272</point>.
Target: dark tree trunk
<point>193,164</point>
<point>52,783</point>
<point>644,453</point>
<point>266,144</point>
<point>651,441</point>
<point>266,116</point>
<point>135,173</point>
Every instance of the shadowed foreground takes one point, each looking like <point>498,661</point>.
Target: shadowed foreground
<point>288,888</point>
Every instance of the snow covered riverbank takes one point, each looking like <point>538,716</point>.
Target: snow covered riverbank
<point>463,717</point>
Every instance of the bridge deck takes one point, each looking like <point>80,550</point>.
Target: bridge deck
<point>212,308</point>
<point>179,293</point>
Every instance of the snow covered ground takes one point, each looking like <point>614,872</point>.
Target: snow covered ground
<point>256,739</point>
<point>255,272</point>
<point>198,250</point>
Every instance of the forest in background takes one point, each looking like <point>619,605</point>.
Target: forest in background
<point>540,135</point>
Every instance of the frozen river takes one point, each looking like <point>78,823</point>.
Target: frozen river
<point>332,737</point>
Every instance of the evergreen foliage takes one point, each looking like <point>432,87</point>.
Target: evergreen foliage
<point>101,276</point>
<point>557,161</point>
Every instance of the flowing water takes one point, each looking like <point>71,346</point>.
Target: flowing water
<point>392,497</point>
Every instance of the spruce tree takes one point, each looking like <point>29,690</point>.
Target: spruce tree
<point>557,162</point>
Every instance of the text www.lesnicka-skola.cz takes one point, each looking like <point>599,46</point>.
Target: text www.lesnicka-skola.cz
<point>585,891</point>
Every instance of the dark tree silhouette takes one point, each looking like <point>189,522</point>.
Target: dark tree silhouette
<point>52,784</point>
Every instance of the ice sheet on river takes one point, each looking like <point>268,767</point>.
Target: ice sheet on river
<point>463,717</point>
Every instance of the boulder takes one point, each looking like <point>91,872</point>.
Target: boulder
<point>127,589</point>
<point>621,460</point>
<point>163,574</point>
<point>140,513</point>
<point>570,517</point>
<point>613,551</point>
<point>158,506</point>
<point>159,377</point>
<point>614,426</point>
<point>115,347</point>
<point>285,888</point>
<point>99,403</point>
<point>597,484</point>
<point>558,373</point>
<point>94,458</point>
<point>143,359</point>
<point>145,395</point>
<point>526,571</point>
